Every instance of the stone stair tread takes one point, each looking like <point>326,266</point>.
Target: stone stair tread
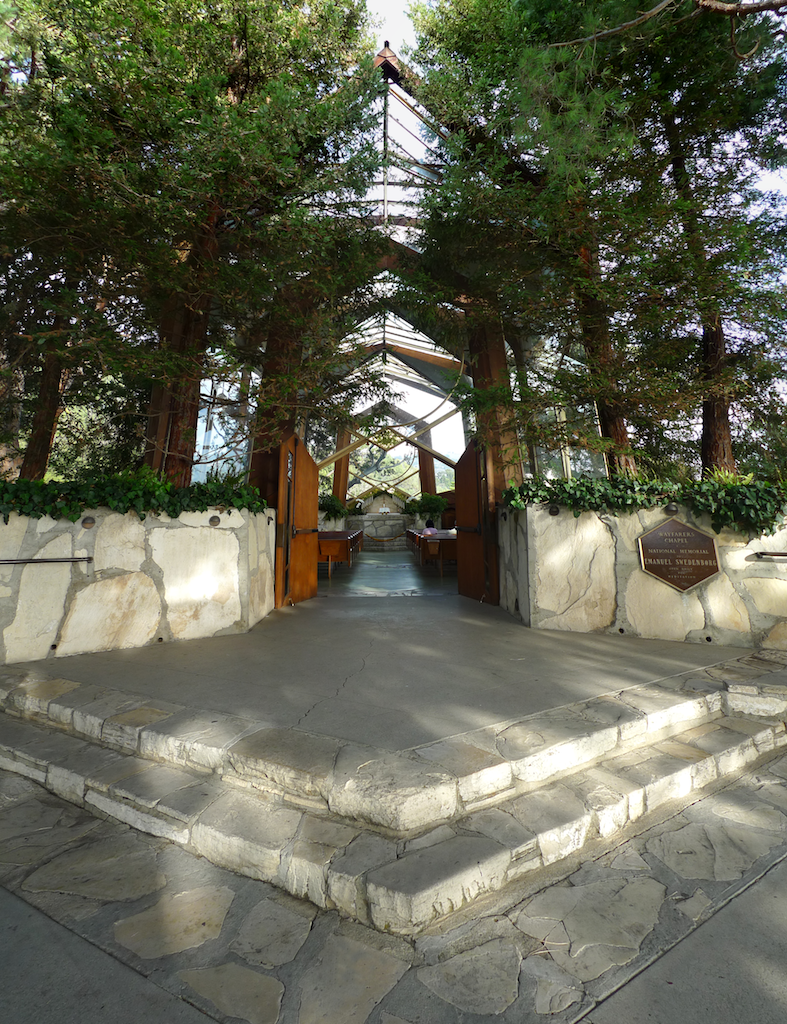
<point>402,886</point>
<point>316,772</point>
<point>194,738</point>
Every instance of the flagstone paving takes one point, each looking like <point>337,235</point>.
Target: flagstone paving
<point>404,839</point>
<point>545,950</point>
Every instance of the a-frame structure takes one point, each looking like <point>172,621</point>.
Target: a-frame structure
<point>287,475</point>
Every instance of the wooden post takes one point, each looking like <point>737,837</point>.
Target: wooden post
<point>490,370</point>
<point>341,468</point>
<point>426,472</point>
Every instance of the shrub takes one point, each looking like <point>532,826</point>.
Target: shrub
<point>332,507</point>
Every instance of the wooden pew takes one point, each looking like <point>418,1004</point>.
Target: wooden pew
<point>339,546</point>
<point>436,547</point>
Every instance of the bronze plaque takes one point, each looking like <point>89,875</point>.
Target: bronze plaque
<point>678,554</point>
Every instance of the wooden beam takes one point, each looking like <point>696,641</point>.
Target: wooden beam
<point>426,473</point>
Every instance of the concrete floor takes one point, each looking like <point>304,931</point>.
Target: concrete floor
<point>729,971</point>
<point>393,672</point>
<point>387,574</point>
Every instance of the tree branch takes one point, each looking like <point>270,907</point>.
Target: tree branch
<point>627,25</point>
<point>741,9</point>
<point>734,43</point>
<point>713,6</point>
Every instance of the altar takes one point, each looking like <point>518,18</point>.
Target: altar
<point>382,531</point>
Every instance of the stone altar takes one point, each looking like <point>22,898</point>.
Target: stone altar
<point>382,531</point>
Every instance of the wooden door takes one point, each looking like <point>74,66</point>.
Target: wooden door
<point>476,526</point>
<point>296,530</point>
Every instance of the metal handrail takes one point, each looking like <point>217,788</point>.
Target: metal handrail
<point>771,554</point>
<point>33,561</point>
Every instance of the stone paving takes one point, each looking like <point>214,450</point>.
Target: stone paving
<point>398,841</point>
<point>241,949</point>
<point>613,825</point>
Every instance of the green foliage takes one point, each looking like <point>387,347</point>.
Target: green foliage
<point>737,503</point>
<point>332,507</point>
<point>141,492</point>
<point>165,157</point>
<point>750,507</point>
<point>426,505</point>
<point>604,202</point>
<point>99,436</point>
<point>432,505</point>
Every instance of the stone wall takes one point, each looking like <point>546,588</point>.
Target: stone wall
<point>558,572</point>
<point>382,531</point>
<point>150,581</point>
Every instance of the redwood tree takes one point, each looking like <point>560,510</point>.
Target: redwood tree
<point>188,162</point>
<point>613,241</point>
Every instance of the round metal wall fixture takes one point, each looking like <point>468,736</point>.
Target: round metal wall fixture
<point>214,520</point>
<point>554,510</point>
<point>671,509</point>
<point>88,523</point>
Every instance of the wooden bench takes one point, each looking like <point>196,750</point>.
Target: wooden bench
<point>436,547</point>
<point>339,546</point>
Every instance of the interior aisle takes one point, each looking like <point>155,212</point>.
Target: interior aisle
<point>386,574</point>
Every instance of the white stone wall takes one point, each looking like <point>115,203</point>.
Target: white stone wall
<point>151,580</point>
<point>583,574</point>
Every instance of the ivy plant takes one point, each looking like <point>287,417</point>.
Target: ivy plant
<point>140,492</point>
<point>738,503</point>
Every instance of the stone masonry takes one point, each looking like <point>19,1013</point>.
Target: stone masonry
<point>583,574</point>
<point>149,581</point>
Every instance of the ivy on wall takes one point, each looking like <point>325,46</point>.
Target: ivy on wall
<point>736,503</point>
<point>142,493</point>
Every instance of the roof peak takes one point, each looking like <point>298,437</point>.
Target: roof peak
<point>388,62</point>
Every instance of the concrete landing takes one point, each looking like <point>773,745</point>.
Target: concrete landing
<point>389,672</point>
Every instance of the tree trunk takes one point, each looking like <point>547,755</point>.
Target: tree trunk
<point>277,420</point>
<point>716,445</point>
<point>593,318</point>
<point>49,404</point>
<point>48,409</point>
<point>174,408</point>
<point>489,368</point>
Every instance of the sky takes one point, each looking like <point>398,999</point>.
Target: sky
<point>395,25</point>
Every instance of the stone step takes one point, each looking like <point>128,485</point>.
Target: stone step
<point>328,854</point>
<point>395,544</point>
<point>403,792</point>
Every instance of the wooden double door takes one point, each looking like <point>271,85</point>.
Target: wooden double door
<point>296,528</point>
<point>476,526</point>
